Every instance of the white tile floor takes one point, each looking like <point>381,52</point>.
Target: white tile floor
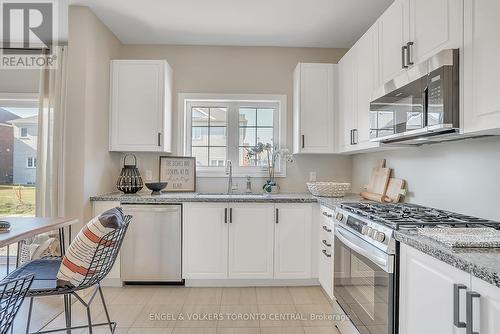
<point>179,310</point>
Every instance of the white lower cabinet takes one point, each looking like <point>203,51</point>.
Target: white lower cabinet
<point>205,241</point>
<point>292,241</point>
<point>247,241</point>
<point>485,299</point>
<point>426,294</point>
<point>432,291</point>
<point>251,233</point>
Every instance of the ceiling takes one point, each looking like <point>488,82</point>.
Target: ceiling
<point>299,23</point>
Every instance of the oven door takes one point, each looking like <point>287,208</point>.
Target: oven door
<point>364,283</point>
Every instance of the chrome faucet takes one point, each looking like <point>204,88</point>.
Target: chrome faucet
<point>229,172</point>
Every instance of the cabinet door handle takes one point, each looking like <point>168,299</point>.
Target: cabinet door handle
<point>351,137</point>
<point>277,215</point>
<point>355,136</point>
<point>469,327</point>
<point>225,215</point>
<point>230,215</point>
<point>456,305</point>
<point>303,141</point>
<point>326,254</point>
<point>159,138</point>
<point>404,50</point>
<point>326,243</point>
<point>409,48</point>
<point>326,229</point>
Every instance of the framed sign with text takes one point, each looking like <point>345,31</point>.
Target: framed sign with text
<point>179,172</point>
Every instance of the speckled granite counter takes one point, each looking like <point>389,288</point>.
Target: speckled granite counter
<point>483,263</point>
<point>213,197</point>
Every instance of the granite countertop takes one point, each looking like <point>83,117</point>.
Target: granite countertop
<point>219,197</point>
<point>483,263</point>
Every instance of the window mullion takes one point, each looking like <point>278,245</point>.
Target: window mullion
<point>233,134</point>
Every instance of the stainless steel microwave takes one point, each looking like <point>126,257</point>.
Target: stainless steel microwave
<point>421,105</point>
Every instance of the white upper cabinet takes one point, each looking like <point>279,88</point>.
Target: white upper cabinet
<point>481,67</point>
<point>141,106</point>
<point>347,109</point>
<point>313,108</point>
<point>434,25</point>
<point>359,78</point>
<point>292,246</point>
<point>393,36</point>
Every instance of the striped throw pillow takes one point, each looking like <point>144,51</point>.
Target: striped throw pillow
<point>76,261</point>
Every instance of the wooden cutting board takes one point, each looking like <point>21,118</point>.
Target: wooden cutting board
<point>379,179</point>
<point>395,189</point>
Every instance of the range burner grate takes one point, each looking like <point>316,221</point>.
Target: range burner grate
<point>405,215</point>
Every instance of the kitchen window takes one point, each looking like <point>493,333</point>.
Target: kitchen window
<point>225,127</point>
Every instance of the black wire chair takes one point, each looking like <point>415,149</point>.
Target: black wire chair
<point>12,293</point>
<point>45,281</point>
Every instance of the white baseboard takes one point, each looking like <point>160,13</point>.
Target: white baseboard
<point>112,282</point>
<point>249,282</point>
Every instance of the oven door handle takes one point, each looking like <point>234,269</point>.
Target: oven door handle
<point>385,262</point>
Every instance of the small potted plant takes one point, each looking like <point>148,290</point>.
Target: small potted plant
<point>273,154</point>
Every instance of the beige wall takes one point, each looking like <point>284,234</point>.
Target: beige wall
<point>19,81</point>
<point>461,176</point>
<point>89,168</point>
<point>247,70</point>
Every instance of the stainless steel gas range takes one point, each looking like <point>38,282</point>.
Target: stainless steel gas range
<point>367,258</point>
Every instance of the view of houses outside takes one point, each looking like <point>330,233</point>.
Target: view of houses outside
<point>209,135</point>
<point>18,143</point>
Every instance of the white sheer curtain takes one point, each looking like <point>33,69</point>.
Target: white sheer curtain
<point>49,178</point>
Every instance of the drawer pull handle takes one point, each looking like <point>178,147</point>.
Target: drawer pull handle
<point>456,305</point>
<point>469,328</point>
<point>326,214</point>
<point>326,229</point>
<point>326,254</point>
<point>326,243</point>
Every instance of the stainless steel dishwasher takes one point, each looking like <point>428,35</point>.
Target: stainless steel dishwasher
<point>152,249</point>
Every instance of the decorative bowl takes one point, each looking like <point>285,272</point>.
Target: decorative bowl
<point>156,187</point>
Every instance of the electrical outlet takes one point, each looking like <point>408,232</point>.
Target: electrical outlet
<point>312,176</point>
<point>149,175</point>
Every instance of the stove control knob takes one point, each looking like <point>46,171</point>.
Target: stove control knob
<point>339,216</point>
<point>366,230</point>
<point>379,236</point>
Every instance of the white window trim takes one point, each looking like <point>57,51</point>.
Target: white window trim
<point>184,122</point>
